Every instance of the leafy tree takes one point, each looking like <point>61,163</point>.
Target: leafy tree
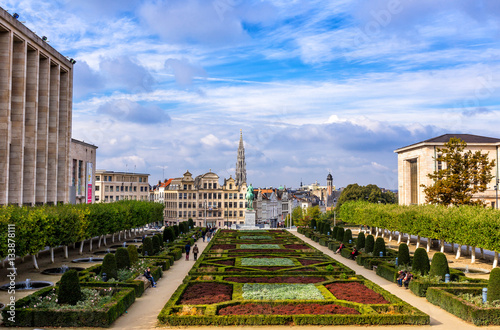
<point>463,174</point>
<point>314,213</point>
<point>298,217</point>
<point>69,291</point>
<point>370,193</point>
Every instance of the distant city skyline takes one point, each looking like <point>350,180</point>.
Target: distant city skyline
<point>316,86</point>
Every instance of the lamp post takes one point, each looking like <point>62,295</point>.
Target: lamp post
<point>496,193</point>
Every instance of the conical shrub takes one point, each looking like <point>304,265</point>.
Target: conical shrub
<point>334,232</point>
<point>369,243</point>
<point>347,236</point>
<point>439,265</point>
<point>313,224</point>
<point>379,247</point>
<point>403,254</point>
<point>133,255</point>
<point>109,266</point>
<point>156,244</point>
<point>122,258</point>
<point>360,242</point>
<point>191,223</point>
<point>494,285</point>
<point>340,234</point>
<point>176,230</point>
<point>168,234</point>
<point>420,262</point>
<point>69,291</point>
<point>147,247</point>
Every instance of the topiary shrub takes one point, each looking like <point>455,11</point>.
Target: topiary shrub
<point>122,258</point>
<point>147,247</point>
<point>420,262</point>
<point>360,242</point>
<point>133,255</point>
<point>347,236</point>
<point>313,224</point>
<point>168,234</point>
<point>327,229</point>
<point>340,234</point>
<point>176,230</point>
<point>156,244</point>
<point>379,247</point>
<point>191,223</point>
<point>369,243</point>
<point>334,232</point>
<point>439,265</point>
<point>69,291</point>
<point>109,266</point>
<point>403,254</point>
<point>494,285</point>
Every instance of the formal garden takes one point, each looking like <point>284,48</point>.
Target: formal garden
<point>97,295</point>
<point>271,277</point>
<point>474,300</point>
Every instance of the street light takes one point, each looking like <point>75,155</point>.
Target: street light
<point>496,192</point>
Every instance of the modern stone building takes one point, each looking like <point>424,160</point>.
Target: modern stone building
<point>417,160</point>
<point>113,186</point>
<point>36,87</point>
<point>82,172</point>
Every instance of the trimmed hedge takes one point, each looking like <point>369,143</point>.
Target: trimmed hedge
<point>347,236</point>
<point>69,288</point>
<point>439,265</point>
<point>37,317</point>
<point>109,266</point>
<point>360,241</point>
<point>447,299</point>
<point>403,254</point>
<point>122,258</point>
<point>379,247</point>
<point>494,285</point>
<point>420,262</point>
<point>369,243</point>
<point>147,247</point>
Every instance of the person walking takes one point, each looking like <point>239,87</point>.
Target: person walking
<point>195,252</point>
<point>188,249</point>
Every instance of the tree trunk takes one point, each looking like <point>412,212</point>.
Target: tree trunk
<point>66,254</point>
<point>467,251</point>
<point>35,263</point>
<point>119,235</point>
<point>459,251</point>
<point>52,255</point>
<point>376,232</point>
<point>409,240</point>
<point>441,241</point>
<point>418,242</point>
<point>428,244</point>
<point>104,240</point>
<point>452,247</point>
<point>473,256</point>
<point>91,239</point>
<point>81,246</point>
<point>390,235</point>
<point>99,242</point>
<point>399,238</point>
<point>495,260</point>
<point>113,238</point>
<point>482,253</point>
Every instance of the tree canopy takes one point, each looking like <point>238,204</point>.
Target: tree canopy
<point>463,174</point>
<point>370,193</point>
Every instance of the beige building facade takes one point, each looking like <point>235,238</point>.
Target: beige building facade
<point>113,186</point>
<point>82,172</point>
<point>36,87</point>
<point>204,200</point>
<point>418,160</point>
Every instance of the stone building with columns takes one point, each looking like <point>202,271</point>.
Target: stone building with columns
<point>418,160</point>
<point>36,87</point>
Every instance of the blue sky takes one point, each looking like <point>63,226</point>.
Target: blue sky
<point>316,86</point>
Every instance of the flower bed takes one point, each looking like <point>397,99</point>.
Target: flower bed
<point>355,291</point>
<point>259,246</point>
<point>286,309</point>
<point>296,247</point>
<point>206,293</point>
<point>252,291</point>
<point>223,246</point>
<point>256,237</point>
<point>279,279</point>
<point>267,262</point>
<point>307,262</point>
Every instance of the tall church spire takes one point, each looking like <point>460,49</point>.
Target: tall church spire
<point>241,171</point>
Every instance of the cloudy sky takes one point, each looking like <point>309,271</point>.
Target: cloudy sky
<point>316,86</point>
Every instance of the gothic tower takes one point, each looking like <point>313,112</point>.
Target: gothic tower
<point>329,184</point>
<point>241,170</point>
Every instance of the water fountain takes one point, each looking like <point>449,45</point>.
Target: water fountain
<point>27,284</point>
<point>89,259</point>
<point>108,250</point>
<point>60,270</point>
<point>466,271</point>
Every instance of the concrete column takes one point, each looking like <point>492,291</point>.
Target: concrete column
<point>5,95</point>
<point>64,140</point>
<point>30,127</point>
<point>52,162</point>
<point>43,130</point>
<point>17,118</point>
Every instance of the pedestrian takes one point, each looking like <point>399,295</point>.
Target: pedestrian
<point>401,276</point>
<point>187,248</point>
<point>195,252</point>
<point>209,234</point>
<point>147,275</point>
<point>407,279</point>
<point>203,235</point>
<point>354,253</point>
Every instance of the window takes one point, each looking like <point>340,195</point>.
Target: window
<point>230,186</point>
<point>117,198</point>
<point>413,181</point>
<point>241,213</point>
<point>106,188</point>
<point>117,188</point>
<point>241,196</point>
<point>135,188</point>
<point>235,195</point>
<point>122,188</point>
<point>225,196</point>
<point>97,188</point>
<point>219,195</point>
<point>140,179</point>
<point>142,188</point>
<point>209,195</point>
<point>205,185</point>
<point>96,198</point>
<point>180,195</point>
<point>185,187</point>
<point>111,198</point>
<point>225,204</point>
<point>111,188</point>
<point>180,214</point>
<point>98,178</point>
<point>185,196</point>
<point>241,205</point>
<point>106,198</point>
